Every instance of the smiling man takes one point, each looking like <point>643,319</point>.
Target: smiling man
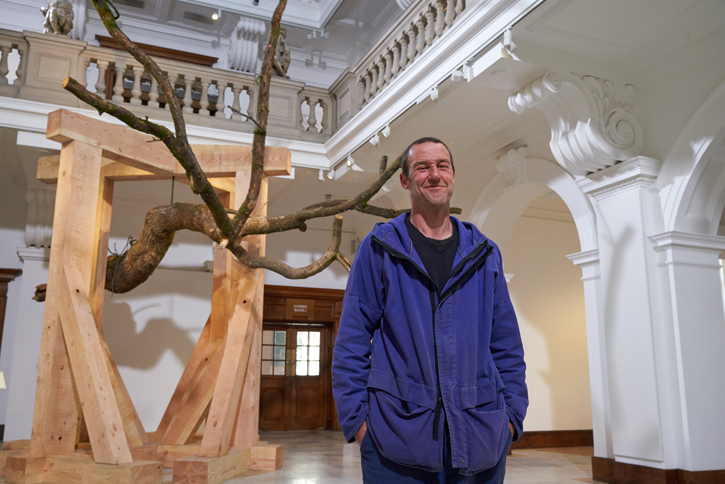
<point>428,372</point>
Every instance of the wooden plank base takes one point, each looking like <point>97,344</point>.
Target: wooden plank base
<point>212,470</point>
<point>79,468</point>
<point>266,457</point>
<point>608,470</point>
<point>23,469</point>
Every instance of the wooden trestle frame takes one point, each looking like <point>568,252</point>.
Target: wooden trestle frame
<point>84,419</point>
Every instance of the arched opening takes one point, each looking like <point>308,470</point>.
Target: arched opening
<point>539,221</point>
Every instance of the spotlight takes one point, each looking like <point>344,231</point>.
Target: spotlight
<point>321,176</point>
<point>350,161</point>
<point>456,75</point>
<point>386,131</point>
<point>434,94</point>
<point>331,174</point>
<point>375,140</point>
<point>216,15</point>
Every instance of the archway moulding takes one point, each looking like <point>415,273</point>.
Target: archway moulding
<point>692,184</point>
<point>519,182</point>
<point>591,124</point>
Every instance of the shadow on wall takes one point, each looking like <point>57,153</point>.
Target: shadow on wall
<point>143,350</point>
<point>549,300</point>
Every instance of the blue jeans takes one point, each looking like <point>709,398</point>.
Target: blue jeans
<point>377,469</point>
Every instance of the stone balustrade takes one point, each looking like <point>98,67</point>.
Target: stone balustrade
<point>13,48</point>
<point>421,26</point>
<point>210,97</point>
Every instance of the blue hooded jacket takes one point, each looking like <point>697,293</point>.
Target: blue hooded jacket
<point>406,353</point>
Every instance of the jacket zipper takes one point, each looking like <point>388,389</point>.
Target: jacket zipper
<point>434,306</point>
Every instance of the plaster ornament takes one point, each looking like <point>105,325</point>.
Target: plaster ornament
<point>591,124</point>
<point>512,166</point>
<point>281,56</point>
<point>58,17</point>
<point>242,52</point>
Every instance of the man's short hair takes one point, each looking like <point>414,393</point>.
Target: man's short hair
<point>428,139</point>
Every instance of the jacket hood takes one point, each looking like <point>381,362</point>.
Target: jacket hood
<point>394,236</point>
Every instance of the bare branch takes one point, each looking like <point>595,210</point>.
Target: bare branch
<point>332,254</point>
<point>236,111</point>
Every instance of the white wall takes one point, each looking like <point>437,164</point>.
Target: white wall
<point>549,301</point>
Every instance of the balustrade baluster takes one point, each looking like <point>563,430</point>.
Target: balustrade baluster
<point>420,44</point>
<point>204,100</point>
<point>235,104</point>
<point>439,22</point>
<point>450,15</point>
<point>403,53</point>
<point>460,6</point>
<point>176,89</point>
<point>312,118</point>
<point>360,93</point>
<point>136,89</point>
<point>388,66</point>
<point>101,82</point>
<point>411,44</point>
<point>83,72</point>
<point>325,116</point>
<point>381,73</point>
<point>118,85</point>
<point>368,83</point>
<point>430,35</point>
<point>4,70</point>
<point>396,59</point>
<point>252,108</point>
<point>300,116</point>
<point>21,66</point>
<point>187,109</point>
<point>155,98</point>
<point>374,83</point>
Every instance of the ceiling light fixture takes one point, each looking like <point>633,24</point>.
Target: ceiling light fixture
<point>456,76</point>
<point>386,131</point>
<point>331,173</point>
<point>434,93</point>
<point>217,14</point>
<point>375,140</point>
<point>321,176</point>
<point>350,161</point>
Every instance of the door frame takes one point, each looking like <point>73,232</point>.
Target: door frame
<point>327,311</point>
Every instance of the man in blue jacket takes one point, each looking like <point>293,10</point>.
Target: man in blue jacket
<point>428,372</point>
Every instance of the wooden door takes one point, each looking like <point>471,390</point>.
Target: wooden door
<point>294,365</point>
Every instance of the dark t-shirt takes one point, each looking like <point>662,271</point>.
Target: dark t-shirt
<point>437,255</point>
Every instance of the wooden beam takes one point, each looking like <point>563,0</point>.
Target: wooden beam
<point>25,470</point>
<point>105,426</point>
<point>246,431</point>
<point>212,470</point>
<point>277,161</point>
<point>186,420</point>
<point>266,457</point>
<point>200,358</point>
<point>80,469</point>
<point>118,142</point>
<point>55,416</point>
<point>224,404</point>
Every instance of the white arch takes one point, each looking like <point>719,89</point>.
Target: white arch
<point>691,187</point>
<point>497,209</point>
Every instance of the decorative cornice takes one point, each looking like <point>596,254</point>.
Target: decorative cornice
<point>700,251</point>
<point>512,166</point>
<point>585,258</point>
<point>637,173</point>
<point>591,126</point>
<point>31,253</point>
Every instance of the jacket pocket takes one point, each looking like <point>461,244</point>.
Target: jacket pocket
<point>486,421</point>
<point>402,430</point>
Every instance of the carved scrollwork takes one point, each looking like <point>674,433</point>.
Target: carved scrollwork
<point>512,166</point>
<point>591,124</point>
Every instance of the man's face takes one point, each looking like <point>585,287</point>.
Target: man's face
<point>431,177</point>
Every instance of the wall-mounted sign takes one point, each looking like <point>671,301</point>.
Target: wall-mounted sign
<point>300,309</point>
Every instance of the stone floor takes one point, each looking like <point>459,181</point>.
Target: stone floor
<point>320,457</point>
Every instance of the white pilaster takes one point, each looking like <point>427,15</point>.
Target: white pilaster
<point>624,214</point>
<point>589,263</point>
<point>697,335</point>
<point>28,331</point>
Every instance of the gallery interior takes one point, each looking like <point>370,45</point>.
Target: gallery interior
<point>589,144</point>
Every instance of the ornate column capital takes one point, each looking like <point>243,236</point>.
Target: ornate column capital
<point>243,46</point>
<point>637,173</point>
<point>591,124</point>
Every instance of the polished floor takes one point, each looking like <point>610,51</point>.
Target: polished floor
<point>320,457</point>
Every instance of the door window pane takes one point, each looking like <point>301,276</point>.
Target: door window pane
<point>302,353</point>
<point>314,338</point>
<point>280,337</point>
<point>302,338</point>
<point>314,352</point>
<point>301,368</point>
<point>266,352</point>
<point>279,367</point>
<point>273,352</point>
<point>267,337</point>
<point>266,368</point>
<point>314,368</point>
<point>279,353</point>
